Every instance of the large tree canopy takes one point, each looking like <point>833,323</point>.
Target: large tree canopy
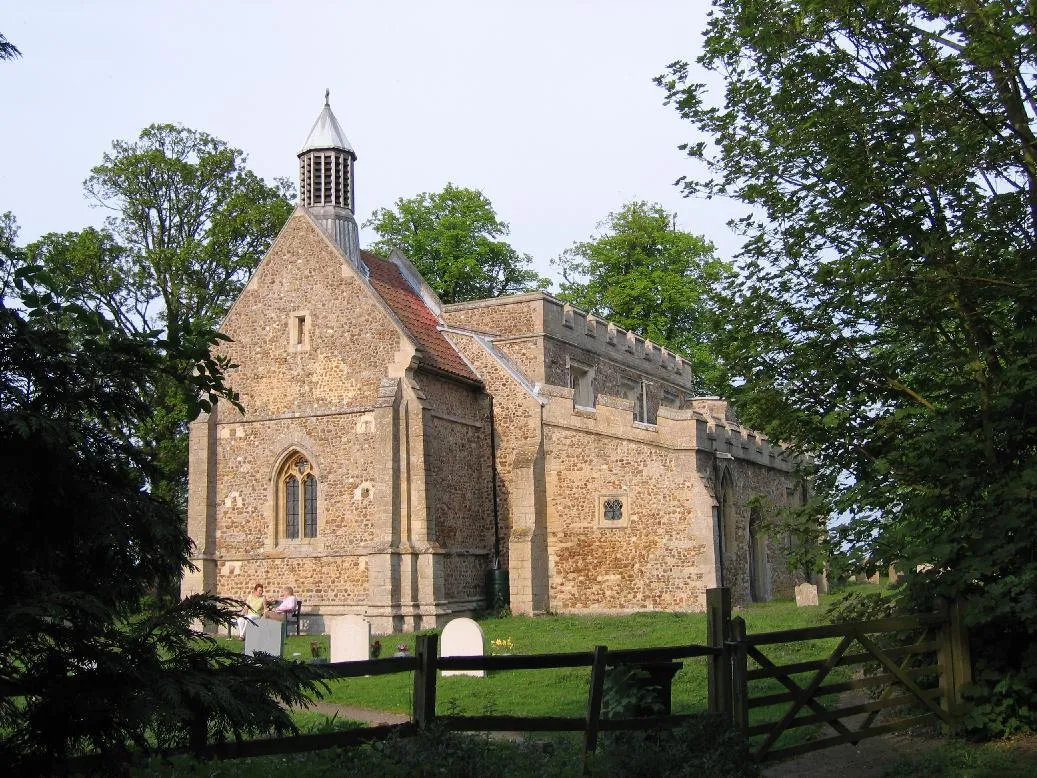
<point>189,223</point>
<point>645,275</point>
<point>886,313</point>
<point>454,237</point>
<point>87,661</point>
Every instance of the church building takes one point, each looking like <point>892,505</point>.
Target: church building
<point>393,450</point>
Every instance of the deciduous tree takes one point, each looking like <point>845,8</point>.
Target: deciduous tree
<point>649,277</point>
<point>454,237</point>
<point>886,313</point>
<point>189,223</point>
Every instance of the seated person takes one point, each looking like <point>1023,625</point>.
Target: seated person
<point>286,606</point>
<point>255,606</point>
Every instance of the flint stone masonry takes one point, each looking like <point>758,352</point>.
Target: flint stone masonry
<point>806,594</point>
<point>444,441</point>
<point>350,638</point>
<point>463,637</point>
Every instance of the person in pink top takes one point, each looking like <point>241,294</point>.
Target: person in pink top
<point>285,606</point>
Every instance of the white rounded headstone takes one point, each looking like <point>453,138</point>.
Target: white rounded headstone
<point>463,637</point>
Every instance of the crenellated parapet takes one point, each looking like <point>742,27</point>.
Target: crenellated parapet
<point>728,437</point>
<point>537,314</point>
<point>603,337</point>
<point>675,428</point>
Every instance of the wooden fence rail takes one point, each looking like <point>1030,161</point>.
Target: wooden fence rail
<point>941,651</point>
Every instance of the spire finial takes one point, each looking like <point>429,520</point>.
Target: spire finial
<point>327,97</point>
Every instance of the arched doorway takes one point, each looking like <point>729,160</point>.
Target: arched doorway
<point>759,576</point>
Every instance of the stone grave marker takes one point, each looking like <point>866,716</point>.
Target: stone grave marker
<point>894,576</point>
<point>264,636</point>
<point>463,637</point>
<point>806,594</point>
<point>350,639</point>
<point>875,579</point>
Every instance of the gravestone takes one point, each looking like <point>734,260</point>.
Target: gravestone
<point>894,576</point>
<point>806,594</point>
<point>875,579</point>
<point>264,636</point>
<point>350,639</point>
<point>463,637</point>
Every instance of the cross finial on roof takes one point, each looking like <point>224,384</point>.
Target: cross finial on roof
<point>327,97</point>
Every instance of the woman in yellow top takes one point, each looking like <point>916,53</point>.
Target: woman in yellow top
<point>255,606</point>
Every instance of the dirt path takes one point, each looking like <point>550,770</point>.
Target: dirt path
<point>868,759</point>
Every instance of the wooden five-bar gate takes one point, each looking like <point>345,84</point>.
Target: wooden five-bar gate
<point>919,679</point>
<point>925,676</point>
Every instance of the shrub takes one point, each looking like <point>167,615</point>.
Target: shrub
<point>702,746</point>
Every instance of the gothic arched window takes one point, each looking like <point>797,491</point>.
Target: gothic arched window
<point>297,500</point>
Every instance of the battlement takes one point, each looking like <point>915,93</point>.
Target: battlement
<point>603,337</point>
<point>539,313</point>
<point>675,428</point>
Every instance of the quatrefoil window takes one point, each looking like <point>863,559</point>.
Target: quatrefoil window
<point>613,509</point>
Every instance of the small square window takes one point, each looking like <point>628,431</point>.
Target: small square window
<point>613,511</point>
<point>299,331</point>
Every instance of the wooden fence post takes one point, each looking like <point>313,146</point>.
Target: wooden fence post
<point>960,655</point>
<point>424,704</point>
<point>718,632</point>
<point>739,677</point>
<point>597,691</point>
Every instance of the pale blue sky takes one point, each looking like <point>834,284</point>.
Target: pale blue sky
<point>547,107</point>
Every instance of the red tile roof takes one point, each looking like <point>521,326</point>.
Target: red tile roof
<point>419,321</point>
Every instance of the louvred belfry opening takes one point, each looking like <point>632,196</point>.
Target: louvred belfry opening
<point>326,181</point>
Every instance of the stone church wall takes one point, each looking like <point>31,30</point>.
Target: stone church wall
<point>457,470</point>
<point>763,479</point>
<point>659,555</point>
<point>348,342</point>
<point>516,315</point>
<point>341,450</point>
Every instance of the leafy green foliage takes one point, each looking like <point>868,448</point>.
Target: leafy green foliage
<point>629,691</point>
<point>953,758</point>
<point>885,314</point>
<point>700,747</point>
<point>650,278</point>
<point>88,660</point>
<point>454,238</point>
<point>190,224</point>
<point>703,745</point>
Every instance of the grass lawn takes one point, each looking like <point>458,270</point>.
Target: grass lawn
<point>563,692</point>
<point>560,692</point>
